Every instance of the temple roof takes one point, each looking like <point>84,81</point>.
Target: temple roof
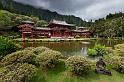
<point>82,27</point>
<point>60,23</point>
<point>81,31</point>
<point>27,22</point>
<point>42,28</point>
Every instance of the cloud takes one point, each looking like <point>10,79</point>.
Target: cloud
<point>86,9</point>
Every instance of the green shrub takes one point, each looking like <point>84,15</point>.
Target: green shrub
<point>92,52</point>
<point>109,50</point>
<point>6,46</point>
<point>116,62</point>
<point>116,58</point>
<point>24,56</point>
<point>98,50</point>
<point>78,65</point>
<point>39,50</point>
<point>48,58</point>
<point>19,73</point>
<point>119,46</point>
<point>119,52</point>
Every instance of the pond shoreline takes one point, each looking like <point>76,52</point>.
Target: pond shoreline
<point>54,39</point>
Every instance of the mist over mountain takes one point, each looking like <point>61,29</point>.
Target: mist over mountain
<point>42,13</point>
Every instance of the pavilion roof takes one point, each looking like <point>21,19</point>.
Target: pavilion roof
<point>80,30</point>
<point>61,23</point>
<point>27,22</point>
<point>42,28</point>
<point>82,27</point>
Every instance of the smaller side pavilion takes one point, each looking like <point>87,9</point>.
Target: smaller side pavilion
<point>55,29</point>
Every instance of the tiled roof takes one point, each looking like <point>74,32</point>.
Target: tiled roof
<point>29,22</point>
<point>80,30</point>
<point>42,28</point>
<point>61,23</point>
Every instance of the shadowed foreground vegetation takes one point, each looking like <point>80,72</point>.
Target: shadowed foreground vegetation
<point>42,64</point>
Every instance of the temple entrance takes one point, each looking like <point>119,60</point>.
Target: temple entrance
<point>62,33</point>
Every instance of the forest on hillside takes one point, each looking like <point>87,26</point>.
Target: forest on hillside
<point>43,14</point>
<point>9,22</point>
<point>111,26</point>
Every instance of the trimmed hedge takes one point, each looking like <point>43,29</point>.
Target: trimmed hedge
<point>24,56</point>
<point>78,65</point>
<point>39,50</point>
<point>48,58</point>
<point>18,73</point>
<point>116,62</point>
<point>116,58</point>
<point>119,46</point>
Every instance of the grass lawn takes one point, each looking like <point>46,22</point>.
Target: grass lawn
<point>60,74</point>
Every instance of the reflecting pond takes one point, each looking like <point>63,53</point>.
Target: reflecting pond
<point>74,47</point>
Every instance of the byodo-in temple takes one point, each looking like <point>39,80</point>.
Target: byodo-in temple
<point>55,29</point>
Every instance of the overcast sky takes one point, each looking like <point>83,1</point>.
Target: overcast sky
<point>86,9</point>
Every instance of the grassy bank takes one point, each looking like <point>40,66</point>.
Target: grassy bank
<point>60,74</point>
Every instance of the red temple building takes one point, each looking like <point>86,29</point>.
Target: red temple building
<point>57,29</point>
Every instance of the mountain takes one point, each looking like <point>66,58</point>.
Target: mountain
<point>43,14</point>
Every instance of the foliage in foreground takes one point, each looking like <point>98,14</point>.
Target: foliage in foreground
<point>17,73</point>
<point>78,65</point>
<point>24,56</point>
<point>116,58</point>
<point>98,50</point>
<point>22,65</point>
<point>48,58</point>
<point>7,46</point>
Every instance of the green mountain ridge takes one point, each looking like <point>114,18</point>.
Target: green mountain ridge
<point>43,14</point>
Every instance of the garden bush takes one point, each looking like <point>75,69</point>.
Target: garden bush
<point>115,62</point>
<point>39,50</point>
<point>24,56</point>
<point>118,52</point>
<point>92,52</point>
<point>48,58</point>
<point>119,46</point>
<point>78,65</point>
<point>98,50</point>
<point>109,50</point>
<point>19,73</point>
<point>6,46</point>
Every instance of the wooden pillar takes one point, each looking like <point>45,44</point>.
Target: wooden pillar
<point>23,36</point>
<point>23,39</point>
<point>33,40</point>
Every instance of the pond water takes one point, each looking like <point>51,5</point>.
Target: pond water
<point>74,47</point>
